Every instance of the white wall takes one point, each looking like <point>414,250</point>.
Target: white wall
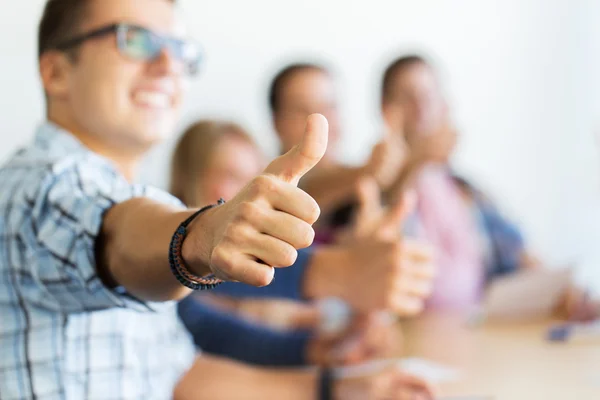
<point>521,75</point>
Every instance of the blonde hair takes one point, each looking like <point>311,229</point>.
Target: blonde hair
<point>194,151</point>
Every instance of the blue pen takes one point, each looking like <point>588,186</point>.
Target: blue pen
<point>572,329</point>
<point>570,332</point>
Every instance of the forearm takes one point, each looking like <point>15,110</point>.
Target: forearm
<point>230,336</point>
<point>215,379</point>
<point>322,273</point>
<point>529,261</point>
<point>134,245</point>
<point>332,186</point>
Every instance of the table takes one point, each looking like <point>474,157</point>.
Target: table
<point>506,361</point>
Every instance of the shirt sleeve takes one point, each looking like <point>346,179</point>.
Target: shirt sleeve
<point>65,220</point>
<point>286,284</point>
<point>505,237</point>
<point>226,335</point>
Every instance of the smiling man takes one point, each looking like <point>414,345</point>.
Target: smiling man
<point>91,264</point>
<point>85,279</point>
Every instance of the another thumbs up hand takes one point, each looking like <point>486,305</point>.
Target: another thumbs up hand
<point>373,220</point>
<point>401,271</point>
<point>263,226</point>
<point>388,157</point>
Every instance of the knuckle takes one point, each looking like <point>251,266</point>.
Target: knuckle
<point>235,232</point>
<point>264,184</point>
<point>221,261</point>
<point>249,210</point>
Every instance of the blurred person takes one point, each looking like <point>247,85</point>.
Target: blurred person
<point>87,276</point>
<point>299,90</point>
<point>474,240</point>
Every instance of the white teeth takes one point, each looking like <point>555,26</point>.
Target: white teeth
<point>153,99</point>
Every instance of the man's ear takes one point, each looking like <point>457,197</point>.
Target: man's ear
<point>55,69</point>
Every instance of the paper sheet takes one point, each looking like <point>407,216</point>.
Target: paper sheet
<point>425,369</point>
<point>526,294</point>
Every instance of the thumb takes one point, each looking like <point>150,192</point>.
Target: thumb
<point>293,165</point>
<point>386,135</point>
<point>369,199</point>
<point>398,212</point>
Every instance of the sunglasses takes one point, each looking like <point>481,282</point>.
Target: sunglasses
<point>139,43</point>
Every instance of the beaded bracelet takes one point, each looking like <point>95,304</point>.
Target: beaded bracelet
<point>177,263</point>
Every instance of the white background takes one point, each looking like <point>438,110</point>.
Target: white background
<point>524,78</point>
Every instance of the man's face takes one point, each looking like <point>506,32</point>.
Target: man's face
<point>117,100</point>
<point>417,94</point>
<point>306,92</point>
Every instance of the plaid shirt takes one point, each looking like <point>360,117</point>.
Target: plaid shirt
<point>63,335</point>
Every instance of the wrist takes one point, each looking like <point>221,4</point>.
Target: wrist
<point>327,272</point>
<point>325,385</point>
<point>197,246</point>
<point>366,170</point>
<point>339,390</point>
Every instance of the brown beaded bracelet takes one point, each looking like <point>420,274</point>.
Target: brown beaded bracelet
<point>177,263</point>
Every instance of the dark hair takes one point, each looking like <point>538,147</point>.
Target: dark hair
<point>60,21</point>
<point>282,78</point>
<point>394,69</point>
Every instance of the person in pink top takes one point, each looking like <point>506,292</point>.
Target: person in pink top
<point>448,223</point>
<point>474,242</point>
<point>413,107</point>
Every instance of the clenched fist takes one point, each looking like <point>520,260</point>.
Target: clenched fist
<point>261,228</point>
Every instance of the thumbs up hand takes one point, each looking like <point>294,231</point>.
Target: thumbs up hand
<point>373,220</point>
<point>401,271</point>
<point>386,161</point>
<point>263,226</point>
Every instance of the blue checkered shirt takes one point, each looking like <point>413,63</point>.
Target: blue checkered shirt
<point>63,334</point>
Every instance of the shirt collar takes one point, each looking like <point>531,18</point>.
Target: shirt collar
<point>57,140</point>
